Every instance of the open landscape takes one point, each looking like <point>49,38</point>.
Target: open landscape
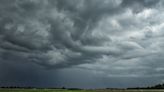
<point>65,90</point>
<point>81,45</point>
<point>155,88</point>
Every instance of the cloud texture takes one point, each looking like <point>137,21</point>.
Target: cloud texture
<point>114,38</point>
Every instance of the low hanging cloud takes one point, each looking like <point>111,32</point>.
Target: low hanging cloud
<point>108,35</point>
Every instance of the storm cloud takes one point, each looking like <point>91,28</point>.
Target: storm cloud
<point>112,38</point>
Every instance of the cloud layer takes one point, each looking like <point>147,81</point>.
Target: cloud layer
<point>114,38</point>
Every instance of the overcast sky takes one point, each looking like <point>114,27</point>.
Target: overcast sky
<point>81,43</point>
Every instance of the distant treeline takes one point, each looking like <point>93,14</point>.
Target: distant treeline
<point>159,86</point>
<point>38,88</point>
<point>16,87</point>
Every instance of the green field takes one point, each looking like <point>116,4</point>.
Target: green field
<point>61,90</point>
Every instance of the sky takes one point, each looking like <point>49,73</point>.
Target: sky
<point>81,43</point>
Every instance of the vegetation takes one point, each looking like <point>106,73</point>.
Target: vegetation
<point>64,90</point>
<point>156,88</point>
<point>40,90</point>
<point>159,86</point>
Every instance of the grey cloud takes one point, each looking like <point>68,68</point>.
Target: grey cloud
<point>139,5</point>
<point>47,31</point>
<point>107,36</point>
<point>54,28</point>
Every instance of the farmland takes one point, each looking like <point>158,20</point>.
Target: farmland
<point>64,90</point>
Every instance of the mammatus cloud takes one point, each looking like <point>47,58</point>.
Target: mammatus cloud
<point>112,37</point>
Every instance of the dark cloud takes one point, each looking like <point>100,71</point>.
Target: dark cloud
<point>38,28</point>
<point>113,38</point>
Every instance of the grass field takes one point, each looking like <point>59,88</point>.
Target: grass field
<point>61,90</point>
